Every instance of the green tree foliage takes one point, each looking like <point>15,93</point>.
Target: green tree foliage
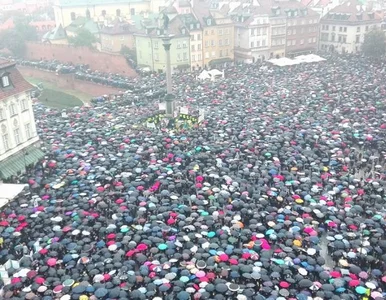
<point>83,38</point>
<point>14,39</point>
<point>374,44</point>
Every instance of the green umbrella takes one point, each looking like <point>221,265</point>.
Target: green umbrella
<point>184,278</point>
<point>125,228</point>
<point>68,282</point>
<point>211,234</point>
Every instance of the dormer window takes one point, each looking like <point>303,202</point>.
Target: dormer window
<point>198,25</point>
<point>183,31</point>
<point>209,22</point>
<point>5,81</point>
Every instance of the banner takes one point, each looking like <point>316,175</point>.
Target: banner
<point>162,106</point>
<point>201,115</point>
<point>184,110</point>
<point>190,118</point>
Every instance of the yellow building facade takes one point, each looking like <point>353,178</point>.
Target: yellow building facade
<point>66,11</point>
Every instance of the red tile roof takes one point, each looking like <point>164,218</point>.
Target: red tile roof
<point>352,11</point>
<point>17,83</point>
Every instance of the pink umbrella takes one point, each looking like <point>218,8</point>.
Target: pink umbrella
<point>39,280</point>
<point>15,280</point>
<point>200,274</point>
<point>100,189</point>
<point>224,257</point>
<point>51,262</point>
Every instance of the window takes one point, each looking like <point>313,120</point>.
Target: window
<point>185,56</point>
<point>309,40</point>
<point>193,48</point>
<point>199,47</point>
<point>212,32</point>
<point>257,43</point>
<point>12,109</point>
<point>118,12</point>
<point>264,31</point>
<point>156,57</point>
<point>16,133</point>
<point>5,81</point>
<point>367,28</point>
<point>227,42</point>
<point>2,114</point>
<point>288,43</point>
<point>252,44</point>
<point>179,45</point>
<point>252,32</point>
<point>226,30</point>
<point>73,16</point>
<point>6,142</point>
<point>209,22</point>
<point>301,41</point>
<point>344,29</point>
<point>132,11</point>
<point>263,43</point>
<point>358,29</point>
<point>289,32</point>
<point>357,39</point>
<point>213,53</point>
<point>206,44</point>
<point>198,37</point>
<point>333,28</point>
<point>340,29</point>
<point>220,42</point>
<point>226,52</point>
<point>199,57</point>
<point>192,37</point>
<point>314,40</point>
<point>193,57</point>
<point>220,32</point>
<point>27,130</point>
<point>88,14</point>
<point>206,54</point>
<point>206,32</point>
<point>333,37</point>
<point>221,55</point>
<point>103,13</point>
<point>156,45</point>
<point>24,105</point>
<point>213,43</point>
<point>178,57</point>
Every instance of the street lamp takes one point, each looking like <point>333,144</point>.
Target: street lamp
<point>169,98</point>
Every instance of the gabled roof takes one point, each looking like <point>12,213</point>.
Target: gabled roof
<point>58,33</point>
<point>83,23</point>
<point>351,11</point>
<point>17,83</point>
<point>118,28</point>
<point>72,3</point>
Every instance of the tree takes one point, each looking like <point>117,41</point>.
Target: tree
<point>374,44</point>
<point>13,41</point>
<point>83,38</point>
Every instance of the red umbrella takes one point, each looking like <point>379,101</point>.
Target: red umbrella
<point>15,280</point>
<point>66,229</point>
<point>130,253</point>
<point>354,283</point>
<point>111,236</point>
<point>224,257</point>
<point>39,280</point>
<point>31,274</point>
<point>51,262</point>
<point>335,274</point>
<point>100,189</point>
<point>43,251</point>
<point>284,284</point>
<point>142,247</point>
<point>4,223</point>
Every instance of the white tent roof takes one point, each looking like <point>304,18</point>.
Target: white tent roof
<point>204,75</point>
<point>284,61</point>
<point>215,72</point>
<point>9,191</point>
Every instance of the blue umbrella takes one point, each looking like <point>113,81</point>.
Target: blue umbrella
<point>101,292</point>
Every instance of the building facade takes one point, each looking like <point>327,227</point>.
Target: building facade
<point>343,29</point>
<point>19,139</point>
<point>252,33</point>
<point>116,36</point>
<point>151,53</point>
<point>66,11</point>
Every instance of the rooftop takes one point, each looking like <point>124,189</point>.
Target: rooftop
<point>118,28</point>
<point>72,3</point>
<point>352,11</point>
<point>17,83</point>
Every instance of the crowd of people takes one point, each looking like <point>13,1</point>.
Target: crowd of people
<point>278,194</point>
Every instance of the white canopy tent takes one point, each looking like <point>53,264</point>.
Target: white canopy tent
<point>284,61</point>
<point>8,192</point>
<point>212,74</point>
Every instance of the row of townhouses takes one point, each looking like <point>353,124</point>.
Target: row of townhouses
<point>212,33</point>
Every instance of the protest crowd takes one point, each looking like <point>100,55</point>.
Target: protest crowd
<point>279,193</point>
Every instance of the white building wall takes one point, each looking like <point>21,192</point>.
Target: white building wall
<point>19,120</point>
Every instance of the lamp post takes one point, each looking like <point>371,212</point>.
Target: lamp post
<point>169,98</point>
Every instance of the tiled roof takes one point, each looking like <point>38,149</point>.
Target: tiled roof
<point>17,83</point>
<point>118,28</point>
<point>352,11</point>
<point>95,2</point>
